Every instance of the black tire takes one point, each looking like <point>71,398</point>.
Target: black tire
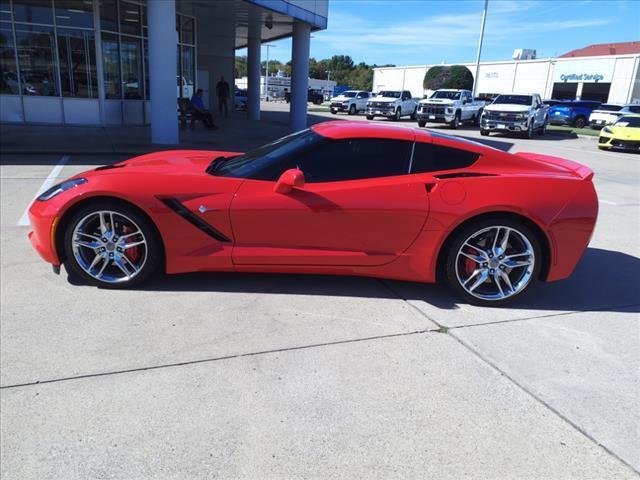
<point>369,117</point>
<point>464,233</point>
<point>478,117</point>
<point>456,121</point>
<point>413,115</point>
<point>530,130</point>
<point>352,109</point>
<point>580,122</point>
<point>397,115</point>
<point>422,123</point>
<point>154,250</point>
<point>333,112</point>
<point>484,133</point>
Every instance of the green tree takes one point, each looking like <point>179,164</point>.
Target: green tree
<point>455,76</point>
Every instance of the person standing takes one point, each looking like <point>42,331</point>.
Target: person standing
<point>200,111</point>
<point>223,91</point>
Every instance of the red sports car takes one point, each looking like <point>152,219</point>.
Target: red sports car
<point>340,198</point>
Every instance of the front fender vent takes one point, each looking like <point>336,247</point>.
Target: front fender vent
<point>194,219</point>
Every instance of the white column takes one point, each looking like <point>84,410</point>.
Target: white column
<point>161,17</point>
<point>299,75</point>
<point>253,66</point>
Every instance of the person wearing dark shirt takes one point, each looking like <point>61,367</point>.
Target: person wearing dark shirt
<point>200,111</point>
<point>223,92</point>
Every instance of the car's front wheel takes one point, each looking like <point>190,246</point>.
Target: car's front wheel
<point>397,115</point>
<point>491,261</point>
<point>369,117</point>
<point>111,245</point>
<point>422,123</point>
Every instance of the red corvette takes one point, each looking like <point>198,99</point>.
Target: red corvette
<point>341,198</point>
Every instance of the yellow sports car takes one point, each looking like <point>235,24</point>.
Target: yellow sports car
<point>622,135</point>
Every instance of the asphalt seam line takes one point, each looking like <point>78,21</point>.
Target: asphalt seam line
<point>48,183</point>
<point>214,359</point>
<point>495,367</point>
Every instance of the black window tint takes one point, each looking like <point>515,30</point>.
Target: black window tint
<point>428,157</point>
<point>635,109</point>
<point>355,158</point>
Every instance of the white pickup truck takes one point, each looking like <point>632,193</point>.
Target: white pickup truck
<point>449,106</point>
<point>511,113</point>
<point>392,104</point>
<point>350,101</point>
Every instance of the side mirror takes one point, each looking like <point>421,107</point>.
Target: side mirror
<point>290,179</point>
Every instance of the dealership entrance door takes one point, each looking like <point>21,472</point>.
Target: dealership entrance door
<point>596,91</point>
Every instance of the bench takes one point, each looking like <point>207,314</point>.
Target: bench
<point>186,114</point>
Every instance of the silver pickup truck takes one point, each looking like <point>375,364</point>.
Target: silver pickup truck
<point>449,106</point>
<point>392,104</point>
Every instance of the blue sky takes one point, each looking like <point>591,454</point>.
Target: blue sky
<point>418,32</point>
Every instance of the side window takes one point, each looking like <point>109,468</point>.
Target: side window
<point>355,158</point>
<point>406,95</point>
<point>634,109</point>
<point>428,157</point>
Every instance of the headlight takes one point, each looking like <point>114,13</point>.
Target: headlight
<point>524,116</point>
<point>61,187</point>
<point>607,130</point>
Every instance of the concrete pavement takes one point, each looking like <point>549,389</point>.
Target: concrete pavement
<point>275,376</point>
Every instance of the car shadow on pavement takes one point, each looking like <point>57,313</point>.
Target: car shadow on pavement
<point>604,280</point>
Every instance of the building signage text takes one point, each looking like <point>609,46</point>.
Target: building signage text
<point>582,77</point>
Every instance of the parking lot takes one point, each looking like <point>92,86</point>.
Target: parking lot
<point>283,376</point>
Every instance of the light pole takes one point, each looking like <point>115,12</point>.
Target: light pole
<point>475,78</point>
<point>266,75</point>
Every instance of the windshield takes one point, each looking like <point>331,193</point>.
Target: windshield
<point>348,94</point>
<point>609,108</point>
<point>447,95</point>
<point>633,122</point>
<point>388,93</point>
<point>513,99</point>
<point>268,156</point>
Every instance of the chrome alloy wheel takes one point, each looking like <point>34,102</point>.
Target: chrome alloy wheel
<point>495,263</point>
<point>109,246</point>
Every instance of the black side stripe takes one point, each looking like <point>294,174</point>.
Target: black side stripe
<point>194,219</point>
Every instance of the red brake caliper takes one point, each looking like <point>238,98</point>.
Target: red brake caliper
<point>131,253</point>
<point>469,265</point>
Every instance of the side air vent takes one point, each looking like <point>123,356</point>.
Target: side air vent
<point>194,219</point>
<point>464,174</point>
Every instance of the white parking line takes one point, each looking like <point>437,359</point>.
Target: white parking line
<point>24,219</point>
<point>607,202</point>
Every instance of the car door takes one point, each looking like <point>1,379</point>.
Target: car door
<point>539,111</point>
<point>357,207</point>
<point>361,100</point>
<point>407,103</point>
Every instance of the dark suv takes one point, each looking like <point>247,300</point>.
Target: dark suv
<point>572,112</point>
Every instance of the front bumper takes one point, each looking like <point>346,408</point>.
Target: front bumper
<point>44,222</point>
<point>504,125</point>
<point>613,143</point>
<point>381,111</point>
<point>339,107</point>
<point>435,118</point>
<point>599,123</point>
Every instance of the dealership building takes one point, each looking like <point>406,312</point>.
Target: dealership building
<point>604,72</point>
<point>115,62</point>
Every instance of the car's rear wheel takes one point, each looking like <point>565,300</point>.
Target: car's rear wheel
<point>580,122</point>
<point>492,261</point>
<point>111,245</point>
<point>414,114</point>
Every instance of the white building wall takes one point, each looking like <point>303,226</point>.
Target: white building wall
<point>531,76</point>
<point>623,78</point>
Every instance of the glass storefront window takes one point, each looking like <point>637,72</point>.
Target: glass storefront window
<point>8,71</point>
<point>76,51</point>
<point>108,15</point>
<point>188,71</point>
<point>131,68</point>
<point>111,65</point>
<point>130,19</point>
<point>5,10</point>
<point>74,13</point>
<point>36,60</point>
<point>187,30</point>
<point>33,11</point>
